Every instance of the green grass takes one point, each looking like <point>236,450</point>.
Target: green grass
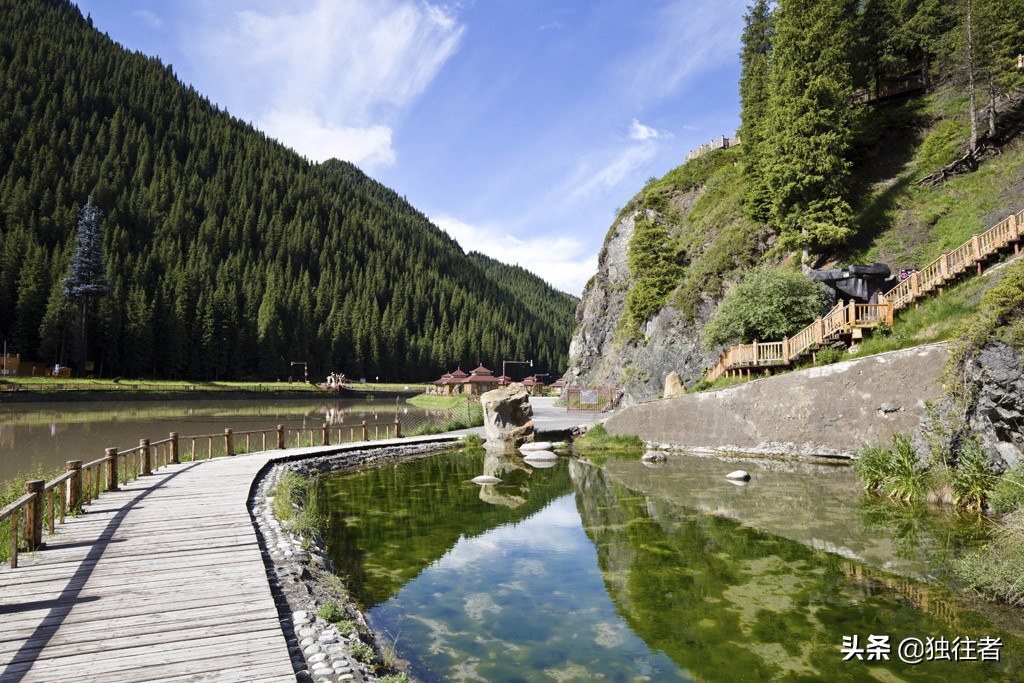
<point>429,402</point>
<point>1008,493</point>
<point>597,438</point>
<point>10,491</point>
<point>997,570</point>
<point>297,505</point>
<point>464,416</point>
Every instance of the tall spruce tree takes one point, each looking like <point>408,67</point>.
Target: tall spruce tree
<point>88,279</point>
<point>754,91</point>
<point>808,128</point>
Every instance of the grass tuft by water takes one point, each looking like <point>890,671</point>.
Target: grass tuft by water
<point>597,438</point>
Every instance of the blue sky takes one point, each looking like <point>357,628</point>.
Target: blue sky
<point>518,126</point>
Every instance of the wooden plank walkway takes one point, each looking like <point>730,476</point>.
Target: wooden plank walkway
<point>854,319</point>
<point>160,581</point>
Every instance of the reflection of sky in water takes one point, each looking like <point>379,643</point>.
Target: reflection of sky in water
<point>523,601</point>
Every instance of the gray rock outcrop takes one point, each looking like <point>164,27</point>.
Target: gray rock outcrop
<point>996,416</point>
<point>508,417</point>
<point>673,385</point>
<point>670,341</point>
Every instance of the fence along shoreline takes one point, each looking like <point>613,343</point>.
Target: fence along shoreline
<point>47,503</point>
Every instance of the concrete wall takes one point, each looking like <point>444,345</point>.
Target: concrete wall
<point>829,410</point>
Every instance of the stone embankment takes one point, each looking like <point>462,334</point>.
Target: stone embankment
<point>830,410</point>
<point>301,576</point>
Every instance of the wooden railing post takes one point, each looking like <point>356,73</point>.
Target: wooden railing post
<point>327,434</point>
<point>819,331</point>
<point>280,436</point>
<point>229,442</point>
<point>174,448</point>
<point>145,466</point>
<point>34,515</point>
<point>975,247</point>
<point>851,313</point>
<point>914,284</point>
<point>111,468</point>
<point>398,427</point>
<point>785,349</point>
<point>944,266</point>
<point>366,431</point>
<point>74,485</point>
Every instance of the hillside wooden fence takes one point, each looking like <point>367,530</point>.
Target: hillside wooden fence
<point>852,320</point>
<point>46,503</point>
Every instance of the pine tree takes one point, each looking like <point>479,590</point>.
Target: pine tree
<point>809,123</point>
<point>754,90</point>
<point>88,279</point>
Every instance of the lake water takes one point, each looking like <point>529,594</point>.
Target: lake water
<point>47,435</point>
<point>613,571</point>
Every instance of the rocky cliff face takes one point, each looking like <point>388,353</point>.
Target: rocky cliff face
<point>996,415</point>
<point>601,355</point>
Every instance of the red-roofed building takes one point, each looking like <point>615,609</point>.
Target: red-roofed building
<point>557,386</point>
<point>480,381</point>
<point>533,386</point>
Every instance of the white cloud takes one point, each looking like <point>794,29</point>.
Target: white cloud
<point>315,139</point>
<point>149,17</point>
<point>561,261</point>
<point>692,36</point>
<point>337,72</point>
<point>638,131</point>
<point>597,176</point>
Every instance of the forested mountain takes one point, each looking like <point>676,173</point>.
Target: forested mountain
<point>228,255</point>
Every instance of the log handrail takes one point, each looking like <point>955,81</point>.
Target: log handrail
<point>81,483</point>
<point>842,319</point>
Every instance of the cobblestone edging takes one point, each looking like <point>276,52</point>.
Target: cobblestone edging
<point>300,578</point>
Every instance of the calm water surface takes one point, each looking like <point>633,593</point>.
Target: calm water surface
<point>614,571</point>
<point>46,435</point>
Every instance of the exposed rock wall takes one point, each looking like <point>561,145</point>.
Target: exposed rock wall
<point>598,353</point>
<point>830,410</point>
<point>997,413</point>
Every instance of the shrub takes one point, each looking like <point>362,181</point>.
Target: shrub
<point>908,480</point>
<point>768,304</point>
<point>362,652</point>
<point>1008,491</point>
<point>973,477</point>
<point>473,440</point>
<point>828,355</point>
<point>332,612</point>
<point>896,473</point>
<point>874,467</point>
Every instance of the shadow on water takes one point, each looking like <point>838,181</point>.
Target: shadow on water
<point>632,573</point>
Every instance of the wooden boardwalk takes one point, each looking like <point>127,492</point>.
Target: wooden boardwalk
<point>160,581</point>
<point>851,321</point>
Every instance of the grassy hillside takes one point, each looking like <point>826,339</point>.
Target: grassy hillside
<point>897,220</point>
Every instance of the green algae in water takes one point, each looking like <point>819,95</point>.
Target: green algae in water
<point>565,574</point>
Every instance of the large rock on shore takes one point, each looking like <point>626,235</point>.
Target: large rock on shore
<point>508,417</point>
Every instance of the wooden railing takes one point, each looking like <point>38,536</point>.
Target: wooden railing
<point>46,502</point>
<point>853,318</point>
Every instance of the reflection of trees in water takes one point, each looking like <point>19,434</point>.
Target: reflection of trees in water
<point>388,523</point>
<point>728,602</point>
<point>921,530</point>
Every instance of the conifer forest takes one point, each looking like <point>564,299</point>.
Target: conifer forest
<point>226,254</point>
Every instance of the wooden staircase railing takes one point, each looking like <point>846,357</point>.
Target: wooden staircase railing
<point>853,318</point>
